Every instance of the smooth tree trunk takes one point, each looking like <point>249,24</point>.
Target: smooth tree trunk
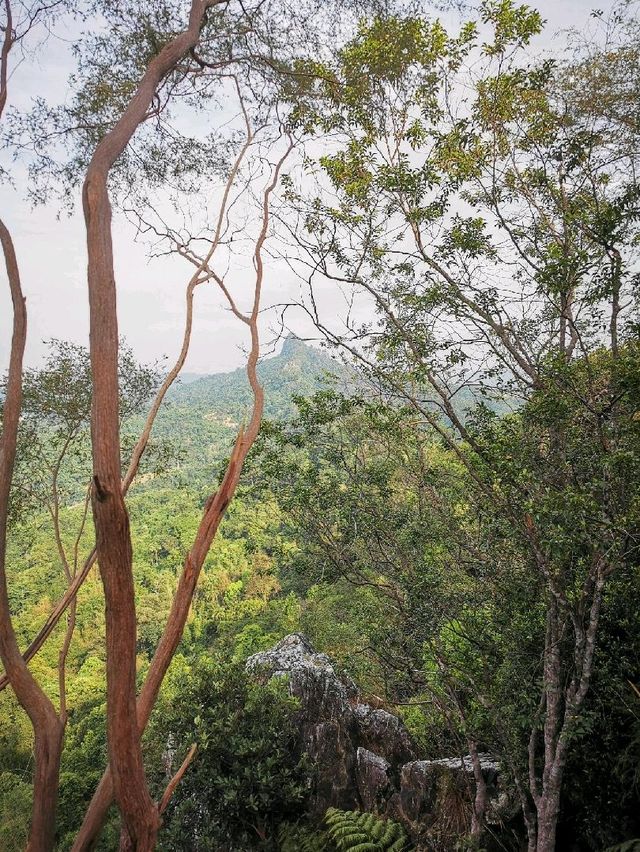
<point>47,727</point>
<point>212,516</point>
<point>113,539</point>
<point>49,739</point>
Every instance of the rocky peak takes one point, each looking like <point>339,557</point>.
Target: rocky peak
<point>293,653</point>
<point>293,346</point>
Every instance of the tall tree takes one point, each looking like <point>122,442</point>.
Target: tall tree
<point>492,226</point>
<point>48,727</point>
<point>113,550</point>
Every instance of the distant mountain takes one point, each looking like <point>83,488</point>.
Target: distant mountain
<point>204,412</point>
<point>187,378</point>
<point>299,369</point>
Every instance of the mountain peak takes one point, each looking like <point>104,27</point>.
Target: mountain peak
<point>292,346</point>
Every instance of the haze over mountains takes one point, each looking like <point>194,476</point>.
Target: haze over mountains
<point>203,413</point>
<point>299,369</point>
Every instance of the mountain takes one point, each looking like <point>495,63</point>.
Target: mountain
<point>298,370</point>
<point>187,378</point>
<point>204,413</point>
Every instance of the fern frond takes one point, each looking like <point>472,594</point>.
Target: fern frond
<point>352,831</point>
<point>293,837</point>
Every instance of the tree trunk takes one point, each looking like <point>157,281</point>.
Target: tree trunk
<point>113,539</point>
<point>212,516</point>
<point>480,800</point>
<point>548,812</point>
<point>103,796</point>
<point>46,781</point>
<point>48,730</point>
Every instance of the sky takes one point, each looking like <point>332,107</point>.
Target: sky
<point>52,257</point>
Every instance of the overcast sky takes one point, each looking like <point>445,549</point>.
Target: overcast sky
<point>52,255</point>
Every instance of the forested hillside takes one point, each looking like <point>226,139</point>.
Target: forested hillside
<point>298,369</point>
<point>207,411</point>
<point>333,527</point>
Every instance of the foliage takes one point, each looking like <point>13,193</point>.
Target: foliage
<point>293,837</point>
<point>246,778</point>
<point>447,529</point>
<point>53,461</point>
<point>347,831</point>
<point>84,755</point>
<point>494,231</point>
<point>207,411</point>
<point>15,811</point>
<point>627,846</point>
<point>56,139</point>
<point>362,832</point>
<point>458,605</point>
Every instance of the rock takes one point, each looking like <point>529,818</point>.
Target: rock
<point>364,757</point>
<point>373,780</point>
<point>293,653</point>
<point>434,800</point>
<point>488,763</point>
<point>414,804</point>
<point>326,718</point>
<point>385,734</point>
<point>335,727</point>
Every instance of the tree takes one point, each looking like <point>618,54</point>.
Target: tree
<point>45,721</point>
<point>53,456</point>
<point>494,234</point>
<point>157,52</point>
<point>250,778</point>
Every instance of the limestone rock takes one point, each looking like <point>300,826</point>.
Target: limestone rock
<point>385,734</point>
<point>363,757</point>
<point>326,718</point>
<point>373,779</point>
<point>335,727</point>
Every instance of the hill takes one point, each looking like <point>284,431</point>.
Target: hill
<point>205,412</point>
<point>202,413</point>
<point>298,369</point>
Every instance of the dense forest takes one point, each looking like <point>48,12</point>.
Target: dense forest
<point>380,590</point>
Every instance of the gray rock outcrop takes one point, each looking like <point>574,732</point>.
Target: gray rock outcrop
<point>364,757</point>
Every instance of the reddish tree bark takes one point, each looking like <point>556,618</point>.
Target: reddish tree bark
<point>48,729</point>
<point>113,539</point>
<point>212,516</point>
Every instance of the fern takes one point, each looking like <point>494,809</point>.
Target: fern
<point>293,837</point>
<point>362,832</point>
<point>627,846</point>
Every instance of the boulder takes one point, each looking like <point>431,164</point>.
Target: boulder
<point>374,782</point>
<point>363,757</point>
<point>383,733</point>
<point>326,718</point>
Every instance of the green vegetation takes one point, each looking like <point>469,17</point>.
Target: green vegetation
<point>354,832</point>
<point>347,831</point>
<point>207,411</point>
<point>453,517</point>
<point>247,778</point>
<point>335,526</point>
